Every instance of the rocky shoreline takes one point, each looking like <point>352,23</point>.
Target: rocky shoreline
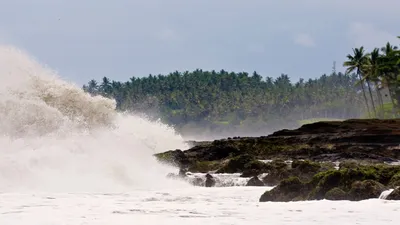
<point>338,160</point>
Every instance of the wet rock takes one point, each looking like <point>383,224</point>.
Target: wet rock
<point>210,181</point>
<point>370,140</point>
<point>361,190</point>
<point>395,180</point>
<point>176,158</point>
<point>237,164</point>
<point>205,166</point>
<point>291,189</point>
<point>306,169</point>
<point>278,170</point>
<point>395,195</point>
<point>357,183</point>
<point>336,194</point>
<point>254,168</point>
<point>254,181</point>
<point>349,164</point>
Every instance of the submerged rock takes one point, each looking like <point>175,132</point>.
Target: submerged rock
<point>210,181</point>
<point>395,195</point>
<point>254,181</point>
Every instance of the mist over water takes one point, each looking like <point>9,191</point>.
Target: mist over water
<point>55,137</point>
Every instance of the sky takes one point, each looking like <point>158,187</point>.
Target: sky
<point>90,39</point>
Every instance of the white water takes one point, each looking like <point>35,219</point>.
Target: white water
<point>54,137</point>
<point>69,158</point>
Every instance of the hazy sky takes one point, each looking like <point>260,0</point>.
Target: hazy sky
<point>88,39</point>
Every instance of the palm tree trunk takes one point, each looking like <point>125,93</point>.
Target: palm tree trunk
<point>372,99</point>
<point>392,98</point>
<point>379,94</point>
<point>365,96</point>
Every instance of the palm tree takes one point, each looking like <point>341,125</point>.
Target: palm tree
<point>373,74</point>
<point>390,71</point>
<point>356,62</point>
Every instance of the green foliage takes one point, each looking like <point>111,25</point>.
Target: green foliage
<point>378,70</point>
<point>227,100</point>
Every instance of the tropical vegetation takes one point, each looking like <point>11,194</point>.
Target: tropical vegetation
<point>378,70</point>
<point>221,100</point>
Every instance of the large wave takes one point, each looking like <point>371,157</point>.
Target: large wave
<point>54,136</point>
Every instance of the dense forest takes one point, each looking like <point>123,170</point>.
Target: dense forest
<point>224,100</point>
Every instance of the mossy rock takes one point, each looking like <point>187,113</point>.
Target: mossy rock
<point>325,166</point>
<point>278,170</point>
<point>305,166</point>
<point>387,173</point>
<point>291,189</point>
<point>237,164</point>
<point>175,158</point>
<point>204,167</point>
<point>305,170</point>
<point>336,194</point>
<point>367,189</point>
<point>395,195</point>
<point>325,181</point>
<point>254,168</point>
<point>349,164</point>
<point>395,180</point>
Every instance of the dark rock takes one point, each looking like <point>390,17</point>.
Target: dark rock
<point>395,180</point>
<point>336,194</point>
<point>356,183</point>
<point>237,164</point>
<point>205,166</point>
<point>305,169</point>
<point>374,140</point>
<point>278,170</point>
<point>395,195</point>
<point>325,181</point>
<point>217,150</point>
<point>254,181</point>
<point>175,158</point>
<point>254,168</point>
<point>349,164</point>
<point>210,182</point>
<point>291,189</point>
<point>361,190</point>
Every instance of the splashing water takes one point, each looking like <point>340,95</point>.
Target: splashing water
<point>55,137</point>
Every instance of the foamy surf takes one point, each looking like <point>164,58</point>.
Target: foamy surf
<point>55,137</point>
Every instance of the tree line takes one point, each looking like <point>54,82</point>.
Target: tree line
<point>227,99</point>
